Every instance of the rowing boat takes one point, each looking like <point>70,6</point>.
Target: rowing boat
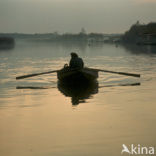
<point>83,75</point>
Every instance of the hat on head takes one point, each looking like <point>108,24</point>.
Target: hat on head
<point>73,54</point>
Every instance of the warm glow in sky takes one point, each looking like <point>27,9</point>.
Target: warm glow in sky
<point>41,16</point>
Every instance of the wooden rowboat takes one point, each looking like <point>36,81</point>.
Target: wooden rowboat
<point>83,75</point>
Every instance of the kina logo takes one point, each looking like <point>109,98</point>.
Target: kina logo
<point>137,149</point>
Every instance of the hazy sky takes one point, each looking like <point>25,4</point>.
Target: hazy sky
<point>42,16</point>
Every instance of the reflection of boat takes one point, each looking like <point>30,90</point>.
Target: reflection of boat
<point>83,75</point>
<point>78,92</point>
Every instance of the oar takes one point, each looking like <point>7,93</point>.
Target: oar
<point>31,75</point>
<point>122,73</point>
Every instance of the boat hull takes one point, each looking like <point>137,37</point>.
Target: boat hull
<point>84,75</point>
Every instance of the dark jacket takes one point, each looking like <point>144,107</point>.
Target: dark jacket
<point>76,62</point>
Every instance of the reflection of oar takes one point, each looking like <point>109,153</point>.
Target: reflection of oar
<point>128,84</point>
<point>31,87</point>
<point>122,73</point>
<point>31,75</point>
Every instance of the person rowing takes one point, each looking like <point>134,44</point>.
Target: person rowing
<point>76,61</point>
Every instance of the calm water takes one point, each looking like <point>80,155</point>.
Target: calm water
<point>37,119</point>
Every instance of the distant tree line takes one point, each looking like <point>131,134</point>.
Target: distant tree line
<point>82,36</point>
<point>140,33</point>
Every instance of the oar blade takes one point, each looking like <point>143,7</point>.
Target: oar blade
<point>130,74</point>
<point>121,73</point>
<point>26,76</point>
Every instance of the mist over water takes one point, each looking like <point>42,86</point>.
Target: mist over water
<point>39,117</point>
<point>103,16</point>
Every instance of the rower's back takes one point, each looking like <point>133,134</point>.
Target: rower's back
<point>76,62</point>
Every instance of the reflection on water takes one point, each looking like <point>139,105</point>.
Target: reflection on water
<point>78,92</point>
<point>32,87</point>
<point>140,49</point>
<point>118,85</point>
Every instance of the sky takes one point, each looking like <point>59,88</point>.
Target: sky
<point>69,16</point>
